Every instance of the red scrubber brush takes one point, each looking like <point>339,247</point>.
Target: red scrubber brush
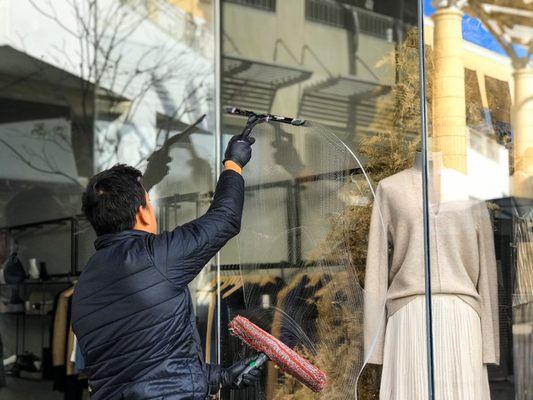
<point>284,357</point>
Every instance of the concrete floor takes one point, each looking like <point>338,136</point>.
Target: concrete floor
<point>23,389</point>
<point>502,391</point>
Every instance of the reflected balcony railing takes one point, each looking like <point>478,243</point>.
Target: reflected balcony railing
<point>335,14</point>
<point>268,5</point>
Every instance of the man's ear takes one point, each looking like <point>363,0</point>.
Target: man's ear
<point>143,216</point>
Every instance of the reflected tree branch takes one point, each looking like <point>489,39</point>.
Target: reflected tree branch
<point>26,160</point>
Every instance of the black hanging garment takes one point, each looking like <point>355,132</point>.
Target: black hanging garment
<point>2,371</point>
<point>14,272</point>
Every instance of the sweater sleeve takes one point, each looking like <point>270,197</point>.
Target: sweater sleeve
<point>376,281</point>
<point>487,287</point>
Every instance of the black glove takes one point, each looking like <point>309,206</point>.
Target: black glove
<point>239,150</point>
<point>228,376</point>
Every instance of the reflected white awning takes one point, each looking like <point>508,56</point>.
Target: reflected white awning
<point>252,84</point>
<point>342,102</point>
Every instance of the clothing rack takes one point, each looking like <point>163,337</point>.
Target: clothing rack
<point>21,317</point>
<point>237,267</point>
<point>265,266</point>
<point>72,221</point>
<point>55,282</point>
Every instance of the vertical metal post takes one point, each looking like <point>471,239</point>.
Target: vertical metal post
<point>95,68</point>
<point>291,250</point>
<point>23,331</point>
<point>297,201</point>
<point>73,247</point>
<point>218,144</point>
<point>76,247</point>
<point>425,203</point>
<point>42,316</point>
<point>17,340</point>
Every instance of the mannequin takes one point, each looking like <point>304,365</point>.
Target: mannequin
<point>445,184</point>
<point>464,287</point>
<point>435,166</point>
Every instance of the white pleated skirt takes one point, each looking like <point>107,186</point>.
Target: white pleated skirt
<point>459,370</point>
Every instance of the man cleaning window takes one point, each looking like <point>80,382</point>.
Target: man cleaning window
<point>132,311</point>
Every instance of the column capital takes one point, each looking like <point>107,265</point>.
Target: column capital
<point>457,4</point>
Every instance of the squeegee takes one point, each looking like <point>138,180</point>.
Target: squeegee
<point>255,118</point>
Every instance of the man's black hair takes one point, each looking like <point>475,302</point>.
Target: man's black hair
<point>112,199</point>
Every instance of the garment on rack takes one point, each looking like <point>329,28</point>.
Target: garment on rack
<point>298,305</point>
<point>257,286</point>
<point>523,350</point>
<point>464,264</point>
<point>294,300</point>
<point>233,303</point>
<point>522,217</point>
<point>521,211</point>
<point>2,371</point>
<point>70,347</point>
<point>77,358</point>
<point>74,388</point>
<point>59,338</point>
<point>209,342</point>
<point>65,377</point>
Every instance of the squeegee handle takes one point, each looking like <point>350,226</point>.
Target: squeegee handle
<point>247,131</point>
<point>253,120</point>
<point>257,363</point>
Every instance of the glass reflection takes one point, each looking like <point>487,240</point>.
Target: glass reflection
<point>299,284</point>
<point>85,85</point>
<point>481,124</point>
<point>298,269</point>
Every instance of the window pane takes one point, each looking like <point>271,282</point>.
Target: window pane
<point>311,264</point>
<point>480,193</point>
<point>86,85</point>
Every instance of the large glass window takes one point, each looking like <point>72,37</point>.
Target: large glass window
<point>479,93</point>
<point>85,85</point>
<point>318,263</point>
<point>348,216</point>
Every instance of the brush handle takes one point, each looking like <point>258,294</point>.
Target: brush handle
<point>257,363</point>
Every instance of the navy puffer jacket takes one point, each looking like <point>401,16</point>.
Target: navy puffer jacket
<point>132,311</point>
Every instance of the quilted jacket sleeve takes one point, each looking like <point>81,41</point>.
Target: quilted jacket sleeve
<point>213,372</point>
<point>182,253</point>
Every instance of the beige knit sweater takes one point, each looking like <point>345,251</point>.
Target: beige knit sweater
<point>462,259</point>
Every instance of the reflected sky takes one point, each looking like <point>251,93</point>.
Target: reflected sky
<point>475,32</point>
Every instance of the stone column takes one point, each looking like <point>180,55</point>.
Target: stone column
<point>192,7</point>
<point>522,123</point>
<point>448,99</point>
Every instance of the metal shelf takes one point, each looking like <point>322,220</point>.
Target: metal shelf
<point>38,282</point>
